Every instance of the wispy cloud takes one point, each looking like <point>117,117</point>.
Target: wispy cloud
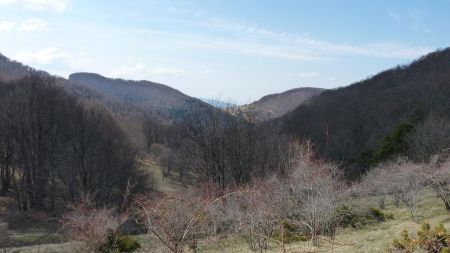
<point>394,16</point>
<point>417,21</point>
<point>6,26</point>
<point>209,71</point>
<point>142,71</point>
<point>305,47</point>
<point>46,5</point>
<point>255,48</point>
<point>7,2</point>
<point>40,5</point>
<point>33,25</point>
<point>304,74</point>
<point>54,56</point>
<point>45,56</point>
<point>28,25</point>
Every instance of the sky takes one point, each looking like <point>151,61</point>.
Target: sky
<point>232,50</point>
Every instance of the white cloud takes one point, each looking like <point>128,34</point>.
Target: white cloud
<point>56,57</point>
<point>141,71</point>
<point>304,74</point>
<point>169,71</point>
<point>6,26</point>
<point>285,52</point>
<point>33,25</point>
<point>46,5</point>
<point>40,5</point>
<point>7,2</point>
<point>45,56</point>
<point>256,40</point>
<point>28,25</point>
<point>210,71</point>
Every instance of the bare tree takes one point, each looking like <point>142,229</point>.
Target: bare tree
<point>180,221</point>
<point>431,137</point>
<point>256,212</point>
<point>378,182</point>
<point>54,148</point>
<point>314,190</point>
<point>408,178</point>
<point>168,161</point>
<point>90,225</point>
<point>225,147</point>
<point>437,176</point>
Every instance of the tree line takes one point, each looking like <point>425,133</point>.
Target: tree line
<point>54,148</point>
<point>352,123</point>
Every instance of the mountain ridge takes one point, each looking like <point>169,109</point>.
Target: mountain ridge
<point>278,104</point>
<point>349,123</point>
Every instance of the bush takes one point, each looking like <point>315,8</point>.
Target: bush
<point>427,240</point>
<point>350,216</point>
<point>292,233</point>
<point>128,244</point>
<point>90,225</point>
<point>377,215</point>
<point>119,243</point>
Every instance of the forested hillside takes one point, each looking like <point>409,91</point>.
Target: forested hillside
<point>147,95</point>
<point>55,148</point>
<point>10,70</point>
<point>276,105</point>
<point>352,124</point>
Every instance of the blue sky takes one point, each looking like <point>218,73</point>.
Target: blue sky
<point>232,50</point>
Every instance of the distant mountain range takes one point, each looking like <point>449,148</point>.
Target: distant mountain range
<point>125,97</point>
<point>128,97</point>
<point>218,103</point>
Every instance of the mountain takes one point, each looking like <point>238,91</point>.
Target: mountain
<point>349,123</point>
<point>134,104</point>
<point>122,96</point>
<point>276,105</point>
<point>143,94</point>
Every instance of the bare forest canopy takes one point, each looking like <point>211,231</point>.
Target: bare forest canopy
<point>370,120</point>
<point>92,130</point>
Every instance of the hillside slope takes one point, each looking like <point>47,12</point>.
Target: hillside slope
<point>10,70</point>
<point>143,94</point>
<point>348,122</point>
<point>276,105</point>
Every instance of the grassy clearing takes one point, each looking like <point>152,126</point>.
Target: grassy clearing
<point>167,185</point>
<point>375,238</point>
<point>68,247</point>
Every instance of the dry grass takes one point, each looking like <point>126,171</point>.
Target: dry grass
<point>376,238</point>
<point>45,248</point>
<point>167,185</point>
<point>371,239</point>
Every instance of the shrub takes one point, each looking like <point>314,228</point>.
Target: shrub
<point>377,215</point>
<point>128,244</point>
<point>292,233</point>
<point>350,216</point>
<point>90,225</point>
<point>119,243</point>
<point>428,240</point>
